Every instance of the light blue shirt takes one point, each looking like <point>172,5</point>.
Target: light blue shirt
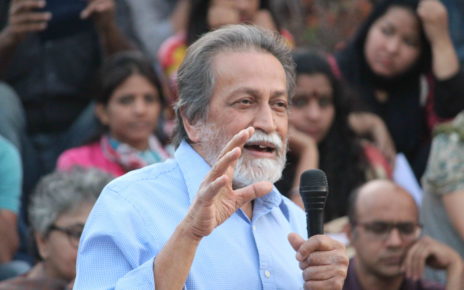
<point>137,213</point>
<point>10,176</point>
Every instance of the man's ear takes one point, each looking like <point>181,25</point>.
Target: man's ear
<point>42,245</point>
<point>102,114</point>
<point>192,130</point>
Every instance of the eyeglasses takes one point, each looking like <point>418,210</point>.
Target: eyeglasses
<point>407,230</point>
<point>73,233</point>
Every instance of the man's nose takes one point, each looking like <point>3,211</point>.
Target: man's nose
<point>264,119</point>
<point>394,238</point>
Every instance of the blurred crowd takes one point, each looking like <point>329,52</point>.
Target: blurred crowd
<point>88,91</point>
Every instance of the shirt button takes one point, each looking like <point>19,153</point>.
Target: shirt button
<point>267,274</point>
<point>254,228</point>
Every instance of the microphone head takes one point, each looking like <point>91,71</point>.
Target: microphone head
<point>314,189</point>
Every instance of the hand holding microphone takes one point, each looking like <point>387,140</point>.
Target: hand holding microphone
<point>323,260</point>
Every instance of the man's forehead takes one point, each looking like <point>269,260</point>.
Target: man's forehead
<point>385,201</point>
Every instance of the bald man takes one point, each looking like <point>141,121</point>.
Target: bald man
<point>385,232</point>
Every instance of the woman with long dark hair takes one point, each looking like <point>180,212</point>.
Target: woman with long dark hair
<point>405,69</point>
<point>319,118</point>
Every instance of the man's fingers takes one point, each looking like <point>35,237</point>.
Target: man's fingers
<point>214,188</point>
<point>317,243</point>
<point>221,166</point>
<point>324,272</point>
<point>253,191</point>
<point>31,17</point>
<point>96,6</point>
<point>333,283</point>
<point>18,7</point>
<point>415,260</point>
<point>295,240</point>
<point>238,140</point>
<point>32,27</point>
<point>321,258</point>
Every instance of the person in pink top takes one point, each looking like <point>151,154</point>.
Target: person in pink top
<point>129,103</point>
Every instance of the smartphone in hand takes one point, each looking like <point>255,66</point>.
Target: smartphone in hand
<point>65,20</point>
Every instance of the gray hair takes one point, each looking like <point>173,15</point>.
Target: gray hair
<point>196,78</point>
<point>62,192</point>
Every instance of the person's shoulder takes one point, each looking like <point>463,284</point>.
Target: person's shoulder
<point>79,154</point>
<point>8,150</point>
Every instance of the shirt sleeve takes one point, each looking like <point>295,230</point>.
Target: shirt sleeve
<point>115,252</point>
<point>449,95</point>
<point>445,170</point>
<point>10,176</point>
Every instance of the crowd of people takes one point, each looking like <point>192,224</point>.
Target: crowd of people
<point>206,113</point>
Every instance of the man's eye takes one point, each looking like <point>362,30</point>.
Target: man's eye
<point>282,104</point>
<point>406,228</point>
<point>378,228</point>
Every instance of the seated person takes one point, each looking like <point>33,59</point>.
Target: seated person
<point>443,183</point>
<point>59,208</point>
<point>129,102</point>
<point>322,137</point>
<point>405,69</point>
<point>391,254</point>
<point>10,196</point>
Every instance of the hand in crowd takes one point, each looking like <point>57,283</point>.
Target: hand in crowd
<point>368,123</point>
<point>25,17</point>
<point>101,11</point>
<point>222,13</point>
<point>216,200</point>
<point>434,18</point>
<point>323,260</point>
<point>303,144</point>
<point>264,19</point>
<point>429,252</point>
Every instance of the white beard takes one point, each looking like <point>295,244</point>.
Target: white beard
<point>247,170</point>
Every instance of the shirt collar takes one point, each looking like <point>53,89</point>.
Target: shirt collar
<point>194,168</point>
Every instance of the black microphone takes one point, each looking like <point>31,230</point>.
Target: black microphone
<point>313,191</point>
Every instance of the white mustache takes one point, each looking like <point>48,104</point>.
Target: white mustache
<point>273,138</point>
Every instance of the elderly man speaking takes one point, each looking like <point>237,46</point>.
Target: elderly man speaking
<point>211,218</point>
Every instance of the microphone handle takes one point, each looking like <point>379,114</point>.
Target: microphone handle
<point>315,222</point>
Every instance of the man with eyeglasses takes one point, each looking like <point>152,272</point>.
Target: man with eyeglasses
<point>391,254</point>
